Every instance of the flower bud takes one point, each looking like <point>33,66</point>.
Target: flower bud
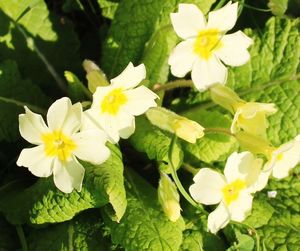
<point>184,128</point>
<point>95,75</point>
<point>168,197</point>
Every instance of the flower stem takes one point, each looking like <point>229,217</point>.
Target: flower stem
<point>22,238</point>
<point>190,168</point>
<point>176,179</point>
<point>219,130</point>
<point>180,83</point>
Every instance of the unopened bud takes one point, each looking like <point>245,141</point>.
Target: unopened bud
<point>168,197</point>
<point>95,75</point>
<point>184,128</point>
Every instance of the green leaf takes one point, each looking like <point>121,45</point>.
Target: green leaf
<point>136,25</point>
<point>278,7</point>
<point>212,147</point>
<point>108,8</point>
<point>144,226</point>
<point>282,231</point>
<point>8,236</point>
<point>192,241</point>
<point>245,243</point>
<point>16,92</point>
<point>42,44</point>
<point>81,233</point>
<point>44,203</point>
<point>155,143</point>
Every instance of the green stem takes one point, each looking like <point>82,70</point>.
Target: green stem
<point>180,83</point>
<point>219,130</point>
<point>190,168</point>
<point>220,4</point>
<point>22,238</point>
<point>176,179</point>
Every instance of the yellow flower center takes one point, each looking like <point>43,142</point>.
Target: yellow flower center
<point>231,191</point>
<point>58,144</point>
<point>206,42</point>
<point>113,101</point>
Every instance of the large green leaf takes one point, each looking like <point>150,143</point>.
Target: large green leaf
<point>43,202</point>
<point>82,233</point>
<point>144,226</point>
<point>16,92</point>
<point>42,44</point>
<point>155,143</point>
<point>7,236</point>
<point>136,25</point>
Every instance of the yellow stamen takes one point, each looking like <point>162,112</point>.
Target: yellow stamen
<point>231,191</point>
<point>58,144</point>
<point>113,101</point>
<point>206,42</point>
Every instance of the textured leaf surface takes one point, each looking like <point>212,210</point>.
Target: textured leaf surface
<point>278,7</point>
<point>144,225</point>
<point>155,143</point>
<point>81,233</point>
<point>212,147</point>
<point>30,32</point>
<point>16,92</point>
<point>108,8</point>
<point>43,202</point>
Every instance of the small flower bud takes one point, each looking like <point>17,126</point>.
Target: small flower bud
<point>184,128</point>
<point>95,75</point>
<point>168,197</point>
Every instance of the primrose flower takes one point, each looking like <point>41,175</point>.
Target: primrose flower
<point>205,44</point>
<point>242,176</point>
<point>60,144</point>
<point>115,106</point>
<point>168,197</point>
<point>252,117</point>
<point>284,158</point>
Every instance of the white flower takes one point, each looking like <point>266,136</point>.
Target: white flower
<point>252,117</point>
<point>115,106</point>
<point>284,158</point>
<point>59,143</point>
<point>205,44</point>
<point>242,176</point>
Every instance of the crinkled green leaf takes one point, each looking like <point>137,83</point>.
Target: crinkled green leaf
<point>108,8</point>
<point>43,202</point>
<point>278,7</point>
<point>136,25</point>
<point>82,233</point>
<point>155,143</point>
<point>283,229</point>
<point>213,146</point>
<point>144,226</point>
<point>15,92</point>
<point>245,243</point>
<point>192,241</point>
<point>31,35</point>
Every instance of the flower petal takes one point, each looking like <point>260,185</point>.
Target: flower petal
<point>130,77</point>
<point>240,208</point>
<point>32,126</point>
<point>36,161</point>
<point>68,175</point>
<point>188,21</point>
<point>218,219</point>
<point>234,49</point>
<point>224,18</point>
<point>126,124</point>
<point>208,187</point>
<point>242,166</point>
<point>139,100</point>
<point>62,115</point>
<point>182,58</point>
<point>289,158</point>
<point>205,73</point>
<point>91,146</point>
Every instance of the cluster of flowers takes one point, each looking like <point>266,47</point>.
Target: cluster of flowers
<point>71,133</point>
